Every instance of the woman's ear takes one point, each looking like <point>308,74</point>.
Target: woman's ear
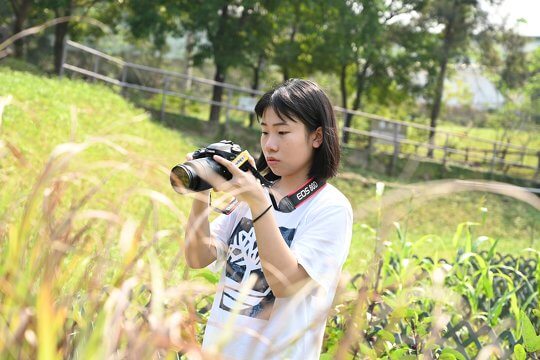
<point>317,137</point>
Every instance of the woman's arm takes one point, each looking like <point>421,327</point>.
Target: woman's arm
<point>280,267</point>
<point>199,247</point>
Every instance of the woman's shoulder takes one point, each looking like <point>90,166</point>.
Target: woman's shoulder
<point>330,196</point>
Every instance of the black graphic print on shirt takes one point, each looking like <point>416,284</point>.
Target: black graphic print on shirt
<point>242,261</point>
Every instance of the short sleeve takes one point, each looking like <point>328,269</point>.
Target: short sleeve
<point>321,244</point>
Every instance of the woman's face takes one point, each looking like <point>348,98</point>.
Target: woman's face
<point>287,145</point>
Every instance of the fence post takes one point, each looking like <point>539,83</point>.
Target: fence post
<point>445,148</point>
<point>523,150</point>
<point>537,166</point>
<point>64,57</point>
<point>123,79</point>
<point>467,155</point>
<point>229,98</point>
<point>164,96</point>
<point>96,68</point>
<point>492,166</point>
<point>396,149</point>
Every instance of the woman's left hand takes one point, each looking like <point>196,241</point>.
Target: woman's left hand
<point>243,185</point>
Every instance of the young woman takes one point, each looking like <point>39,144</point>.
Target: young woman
<point>284,246</point>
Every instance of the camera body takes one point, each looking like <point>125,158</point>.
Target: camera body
<point>191,174</point>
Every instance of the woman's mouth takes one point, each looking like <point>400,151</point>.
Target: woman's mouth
<point>271,161</point>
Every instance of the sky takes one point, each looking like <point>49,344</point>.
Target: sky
<point>529,10</point>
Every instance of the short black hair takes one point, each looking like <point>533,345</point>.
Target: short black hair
<point>304,100</point>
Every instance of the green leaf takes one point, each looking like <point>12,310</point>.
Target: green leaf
<point>208,275</point>
<point>398,354</point>
<point>366,350</point>
<point>531,341</point>
<point>386,335</point>
<point>519,352</point>
<point>451,352</point>
<point>491,251</point>
<point>487,283</point>
<point>447,357</point>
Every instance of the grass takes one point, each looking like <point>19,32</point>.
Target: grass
<point>86,206</point>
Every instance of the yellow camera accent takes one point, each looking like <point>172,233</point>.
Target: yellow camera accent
<point>241,159</point>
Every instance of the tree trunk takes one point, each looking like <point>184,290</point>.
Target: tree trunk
<point>286,75</point>
<point>255,83</point>
<point>292,37</point>
<point>190,45</point>
<point>21,11</point>
<point>343,86</point>
<point>360,85</point>
<point>436,108</point>
<point>217,93</point>
<point>60,32</point>
<point>439,87</point>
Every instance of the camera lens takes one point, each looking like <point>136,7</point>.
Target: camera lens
<point>181,178</point>
<point>186,176</point>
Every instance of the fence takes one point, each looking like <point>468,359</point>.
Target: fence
<point>367,132</point>
<point>467,337</point>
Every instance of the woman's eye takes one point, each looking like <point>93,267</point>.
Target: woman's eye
<point>264,133</point>
<point>283,132</point>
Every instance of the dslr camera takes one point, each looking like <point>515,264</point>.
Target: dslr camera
<point>191,174</point>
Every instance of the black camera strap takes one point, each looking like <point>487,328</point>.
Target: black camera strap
<point>294,199</point>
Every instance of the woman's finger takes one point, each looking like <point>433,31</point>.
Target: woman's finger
<point>189,156</point>
<point>233,169</point>
<point>251,160</point>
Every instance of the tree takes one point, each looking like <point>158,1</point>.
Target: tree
<point>223,30</point>
<point>297,26</point>
<point>21,10</point>
<point>227,26</point>
<point>67,8</point>
<point>454,22</point>
<point>366,48</point>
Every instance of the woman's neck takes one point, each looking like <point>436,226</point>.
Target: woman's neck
<point>286,185</point>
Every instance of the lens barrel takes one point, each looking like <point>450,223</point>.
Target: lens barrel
<point>184,177</point>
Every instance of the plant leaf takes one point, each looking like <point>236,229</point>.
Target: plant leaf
<point>531,341</point>
<point>519,352</point>
<point>451,353</point>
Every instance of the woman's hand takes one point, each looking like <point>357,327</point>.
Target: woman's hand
<point>243,185</point>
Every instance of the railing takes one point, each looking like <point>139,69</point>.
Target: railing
<point>401,139</point>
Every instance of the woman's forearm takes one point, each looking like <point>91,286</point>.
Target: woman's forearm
<point>280,267</point>
<point>199,248</point>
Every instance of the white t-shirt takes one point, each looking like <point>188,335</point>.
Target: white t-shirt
<point>251,323</point>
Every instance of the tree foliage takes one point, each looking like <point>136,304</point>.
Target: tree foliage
<point>380,52</point>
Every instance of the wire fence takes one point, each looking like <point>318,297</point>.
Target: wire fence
<point>368,133</point>
<point>464,335</point>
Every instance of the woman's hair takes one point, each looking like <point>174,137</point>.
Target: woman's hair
<point>305,101</point>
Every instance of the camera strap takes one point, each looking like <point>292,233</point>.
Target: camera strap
<point>294,199</point>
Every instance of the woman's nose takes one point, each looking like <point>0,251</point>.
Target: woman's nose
<point>270,144</point>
